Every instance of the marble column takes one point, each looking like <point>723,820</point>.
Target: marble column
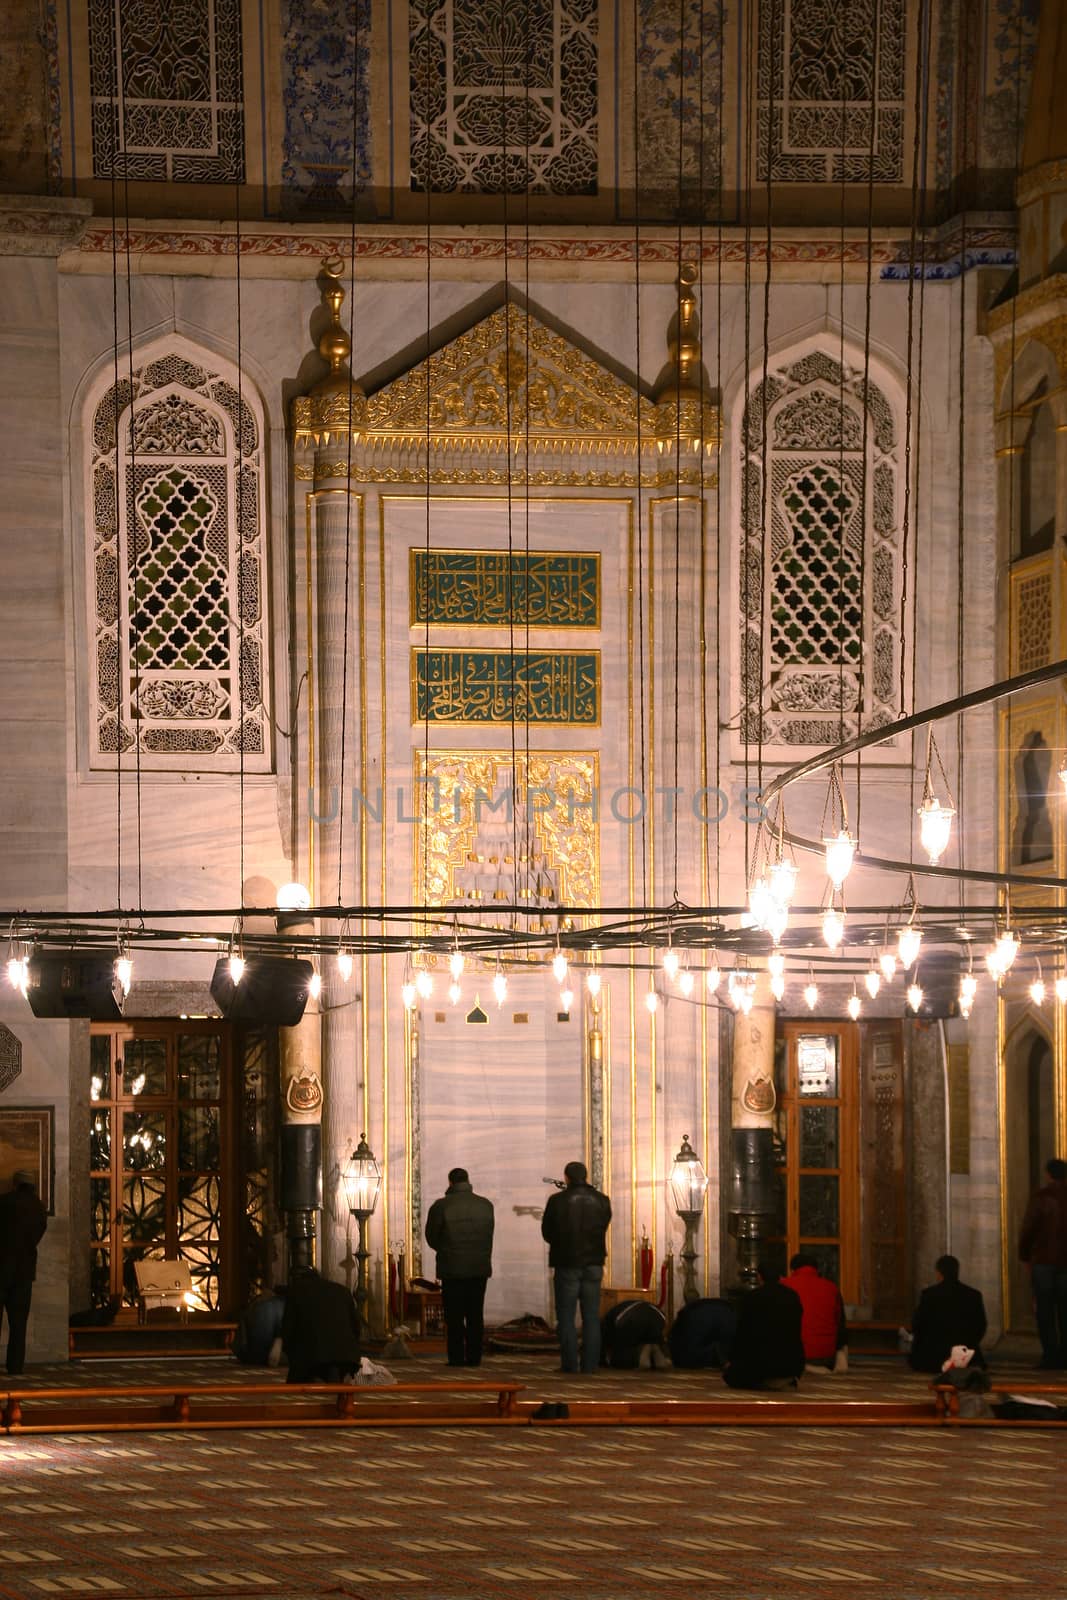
<point>752,1105</point>
<point>337,768</point>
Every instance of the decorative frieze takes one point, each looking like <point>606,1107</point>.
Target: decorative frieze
<point>490,589</point>
<point>476,687</point>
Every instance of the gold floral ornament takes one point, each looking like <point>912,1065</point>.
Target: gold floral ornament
<point>334,409</point>
<point>686,418</point>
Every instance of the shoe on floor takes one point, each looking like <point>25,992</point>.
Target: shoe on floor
<point>660,1359</point>
<point>644,1358</point>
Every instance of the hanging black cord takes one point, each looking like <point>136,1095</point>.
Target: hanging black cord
<point>773,60</point>
<point>509,582</point>
<point>961,398</point>
<point>842,409</point>
<point>864,472</point>
<point>751,695</point>
<point>721,20</point>
<point>121,497</point>
<point>239,430</point>
<point>424,887</point>
<point>640,574</point>
<point>348,459</point>
<point>917,118</point>
<point>135,638</point>
<point>528,838</point>
<point>678,456</point>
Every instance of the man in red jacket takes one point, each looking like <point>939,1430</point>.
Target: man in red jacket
<point>1043,1247</point>
<point>823,1328</point>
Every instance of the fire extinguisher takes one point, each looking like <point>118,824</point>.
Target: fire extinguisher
<point>646,1260</point>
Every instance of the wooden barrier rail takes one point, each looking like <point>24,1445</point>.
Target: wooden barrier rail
<point>947,1403</point>
<point>293,1405</point>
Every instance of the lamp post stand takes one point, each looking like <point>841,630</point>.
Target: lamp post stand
<point>690,1292</point>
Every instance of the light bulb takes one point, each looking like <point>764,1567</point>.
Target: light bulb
<point>500,986</point>
<point>1007,948</point>
<point>712,978</point>
<point>1037,992</point>
<point>839,853</point>
<point>778,987</point>
<point>993,966</point>
<point>965,1009</point>
<point>15,969</point>
<point>888,963</point>
<point>685,981</point>
<point>833,928</point>
<point>292,897</point>
<point>782,877</point>
<point>969,988</point>
<point>566,1000</point>
<point>935,828</point>
<point>671,964</point>
<point>652,1001</point>
<point>1060,987</point>
<point>454,992</point>
<point>760,902</point>
<point>424,983</point>
<point>855,1005</point>
<point>124,973</point>
<point>344,965</point>
<point>872,983</point>
<point>915,996</point>
<point>909,943</point>
<point>777,921</point>
<point>559,966</point>
<point>408,994</point>
<point>811,995</point>
<point>593,982</point>
<point>744,1001</point>
<point>776,964</point>
<point>237,968</point>
<point>456,964</point>
<point>315,985</point>
<point>1063,772</point>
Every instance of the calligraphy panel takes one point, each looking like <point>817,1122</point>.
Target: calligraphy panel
<point>549,687</point>
<point>492,589</point>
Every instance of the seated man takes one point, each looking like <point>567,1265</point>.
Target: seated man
<point>702,1334</point>
<point>320,1329</point>
<point>631,1335</point>
<point>823,1328</point>
<point>767,1349</point>
<point>948,1313</point>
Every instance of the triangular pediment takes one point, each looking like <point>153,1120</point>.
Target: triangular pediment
<point>508,379</point>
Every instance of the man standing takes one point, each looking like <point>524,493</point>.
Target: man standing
<point>1043,1246</point>
<point>948,1313</point>
<point>23,1221</point>
<point>575,1224</point>
<point>460,1228</point>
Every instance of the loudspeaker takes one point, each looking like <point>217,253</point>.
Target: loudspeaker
<point>273,989</point>
<point>72,983</point>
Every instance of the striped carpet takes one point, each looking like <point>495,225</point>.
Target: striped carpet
<point>605,1514</point>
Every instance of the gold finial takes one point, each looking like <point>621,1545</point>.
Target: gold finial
<point>685,413</point>
<point>334,408</point>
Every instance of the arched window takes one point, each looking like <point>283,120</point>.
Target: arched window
<point>1037,485</point>
<point>1033,822</point>
<point>178,571</point>
<point>831,599</point>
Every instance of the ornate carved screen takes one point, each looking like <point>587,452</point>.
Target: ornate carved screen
<point>820,644</point>
<point>178,571</point>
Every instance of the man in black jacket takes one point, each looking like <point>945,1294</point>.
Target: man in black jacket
<point>23,1221</point>
<point>948,1313</point>
<point>460,1228</point>
<point>320,1329</point>
<point>767,1347</point>
<point>575,1224</point>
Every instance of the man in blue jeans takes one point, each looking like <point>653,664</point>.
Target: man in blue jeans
<point>1043,1247</point>
<point>575,1224</point>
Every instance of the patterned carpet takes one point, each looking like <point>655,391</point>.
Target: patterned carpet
<point>601,1513</point>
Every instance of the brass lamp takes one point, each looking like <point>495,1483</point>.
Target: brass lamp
<point>362,1179</point>
<point>689,1187</point>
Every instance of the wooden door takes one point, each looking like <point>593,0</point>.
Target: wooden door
<point>817,1128</point>
<point>162,1169</point>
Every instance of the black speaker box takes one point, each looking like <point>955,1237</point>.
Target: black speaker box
<point>273,989</point>
<point>72,983</point>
